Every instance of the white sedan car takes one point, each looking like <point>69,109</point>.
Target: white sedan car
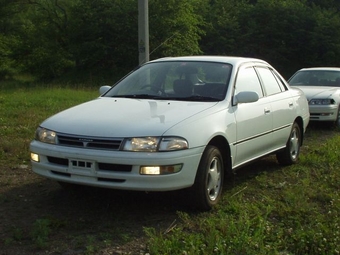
<point>175,123</point>
<point>321,86</point>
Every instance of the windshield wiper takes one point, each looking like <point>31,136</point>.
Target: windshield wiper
<point>140,96</point>
<point>201,98</point>
<point>190,98</point>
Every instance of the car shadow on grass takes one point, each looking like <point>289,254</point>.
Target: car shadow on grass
<point>73,216</point>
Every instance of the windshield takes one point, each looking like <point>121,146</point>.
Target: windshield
<point>176,80</point>
<point>316,78</point>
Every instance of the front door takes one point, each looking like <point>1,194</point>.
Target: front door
<point>253,120</point>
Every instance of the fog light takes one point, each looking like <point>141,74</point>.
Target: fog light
<point>160,170</point>
<point>35,157</point>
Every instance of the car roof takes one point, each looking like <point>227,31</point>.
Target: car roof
<point>222,59</point>
<point>320,69</point>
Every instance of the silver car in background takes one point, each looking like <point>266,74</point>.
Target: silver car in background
<point>321,86</point>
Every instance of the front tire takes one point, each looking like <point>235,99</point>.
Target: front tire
<point>290,154</point>
<point>207,189</point>
<point>337,122</point>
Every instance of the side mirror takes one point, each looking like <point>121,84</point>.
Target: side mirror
<point>104,89</point>
<point>246,97</point>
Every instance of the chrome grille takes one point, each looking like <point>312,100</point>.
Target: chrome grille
<point>89,142</point>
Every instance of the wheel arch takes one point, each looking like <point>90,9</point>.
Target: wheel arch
<point>222,144</point>
<point>299,121</point>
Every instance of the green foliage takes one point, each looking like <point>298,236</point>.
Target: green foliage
<point>9,26</point>
<point>289,34</point>
<point>224,30</point>
<point>89,36</point>
<point>40,232</point>
<point>102,34</point>
<point>52,38</point>
<point>6,62</point>
<point>42,229</point>
<point>43,51</point>
<point>176,27</point>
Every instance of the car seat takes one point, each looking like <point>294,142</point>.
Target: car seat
<point>182,87</point>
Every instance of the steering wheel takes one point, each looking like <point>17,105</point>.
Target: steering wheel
<point>153,88</point>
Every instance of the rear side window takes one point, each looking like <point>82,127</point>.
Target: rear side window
<point>281,83</point>
<point>270,83</point>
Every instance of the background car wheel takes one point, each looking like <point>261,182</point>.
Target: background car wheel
<point>207,189</point>
<point>291,153</point>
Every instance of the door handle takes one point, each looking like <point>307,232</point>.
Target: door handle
<point>266,110</point>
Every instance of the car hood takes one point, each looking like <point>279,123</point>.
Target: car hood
<point>123,117</point>
<point>319,91</point>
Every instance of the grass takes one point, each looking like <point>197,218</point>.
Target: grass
<point>22,110</point>
<point>294,210</point>
<point>283,211</point>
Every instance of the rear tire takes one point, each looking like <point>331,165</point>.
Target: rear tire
<point>290,154</point>
<point>207,189</point>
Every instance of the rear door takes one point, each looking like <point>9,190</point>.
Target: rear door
<point>282,105</point>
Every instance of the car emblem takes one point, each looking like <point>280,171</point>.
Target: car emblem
<point>85,141</point>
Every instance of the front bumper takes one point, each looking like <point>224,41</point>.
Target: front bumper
<point>323,112</point>
<point>114,169</point>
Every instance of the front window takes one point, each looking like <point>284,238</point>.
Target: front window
<point>247,80</point>
<point>176,80</point>
<point>316,78</point>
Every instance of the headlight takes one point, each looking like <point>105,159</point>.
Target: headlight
<point>173,144</point>
<point>321,101</point>
<point>152,144</point>
<point>45,135</point>
<point>141,144</point>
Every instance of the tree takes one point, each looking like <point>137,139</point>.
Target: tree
<point>91,36</point>
<point>289,34</point>
<point>9,25</point>
<point>176,27</point>
<point>42,51</point>
<point>104,34</point>
<point>326,37</point>
<point>224,27</point>
<point>278,31</point>
<point>325,4</point>
<point>52,38</point>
